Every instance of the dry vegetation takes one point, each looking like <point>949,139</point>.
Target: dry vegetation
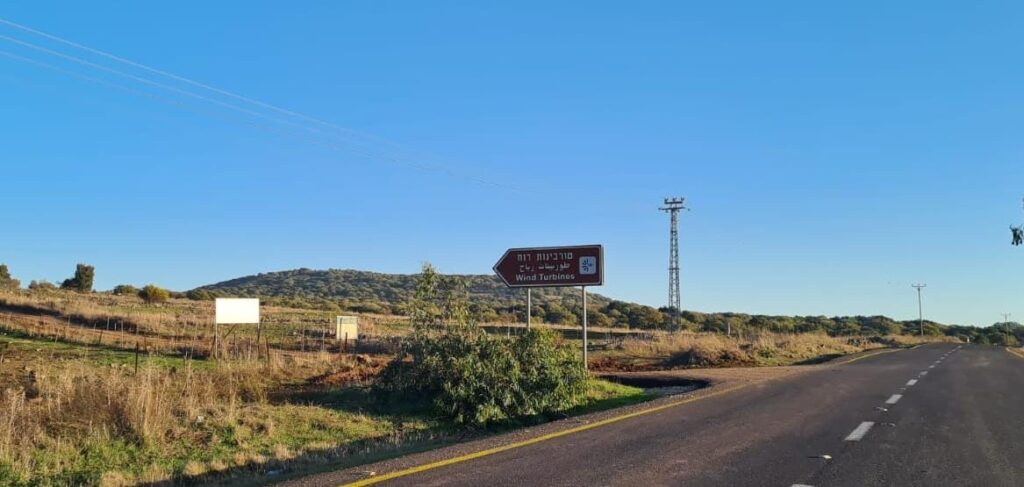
<point>85,416</point>
<point>179,326</point>
<point>685,349</point>
<point>79,405</point>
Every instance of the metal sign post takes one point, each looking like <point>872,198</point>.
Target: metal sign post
<point>529,306</point>
<point>584,288</point>
<point>234,311</point>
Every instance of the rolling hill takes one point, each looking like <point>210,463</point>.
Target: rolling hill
<point>491,301</point>
<point>378,292</point>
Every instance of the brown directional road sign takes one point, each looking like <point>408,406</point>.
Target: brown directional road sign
<point>581,265</point>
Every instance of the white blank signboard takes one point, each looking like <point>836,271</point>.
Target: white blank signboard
<point>347,326</point>
<point>232,311</point>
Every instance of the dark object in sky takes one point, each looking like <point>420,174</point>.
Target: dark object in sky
<point>1018,234</point>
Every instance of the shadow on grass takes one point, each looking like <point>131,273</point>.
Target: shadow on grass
<point>820,359</point>
<point>102,354</point>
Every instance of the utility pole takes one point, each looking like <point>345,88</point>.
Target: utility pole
<point>920,315</point>
<point>672,207</point>
<point>1006,327</point>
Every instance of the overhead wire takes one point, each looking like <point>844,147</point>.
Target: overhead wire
<point>140,79</point>
<point>266,127</point>
<point>177,77</point>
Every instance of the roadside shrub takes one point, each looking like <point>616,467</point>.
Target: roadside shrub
<point>154,294</point>
<point>472,377</point>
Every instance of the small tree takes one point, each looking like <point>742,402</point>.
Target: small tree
<point>467,375</point>
<point>154,294</point>
<point>455,301</point>
<point>7,283</point>
<point>82,281</point>
<point>423,309</point>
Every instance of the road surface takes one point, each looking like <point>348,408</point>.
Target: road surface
<point>934,415</point>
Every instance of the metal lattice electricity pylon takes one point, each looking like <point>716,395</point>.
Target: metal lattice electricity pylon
<point>672,207</point>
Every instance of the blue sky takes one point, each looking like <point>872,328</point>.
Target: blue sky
<point>832,154</point>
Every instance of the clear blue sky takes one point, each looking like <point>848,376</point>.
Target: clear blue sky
<point>832,154</point>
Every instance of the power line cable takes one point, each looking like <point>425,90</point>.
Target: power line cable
<point>366,139</point>
<point>180,78</point>
<point>271,128</point>
<point>369,154</point>
<point>221,91</point>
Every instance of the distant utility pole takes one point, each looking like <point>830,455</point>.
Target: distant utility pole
<point>920,315</point>
<point>672,207</point>
<point>1006,327</point>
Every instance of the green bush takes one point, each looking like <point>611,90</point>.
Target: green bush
<point>125,290</point>
<point>82,280</point>
<point>201,295</point>
<point>472,377</point>
<point>154,294</point>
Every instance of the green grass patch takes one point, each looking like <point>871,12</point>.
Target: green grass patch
<point>602,394</point>
<point>28,347</point>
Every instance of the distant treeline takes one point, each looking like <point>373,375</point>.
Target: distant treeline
<point>492,302</point>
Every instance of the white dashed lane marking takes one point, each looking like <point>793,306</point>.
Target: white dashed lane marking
<point>860,431</point>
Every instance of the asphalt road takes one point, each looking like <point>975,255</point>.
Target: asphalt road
<point>931,416</point>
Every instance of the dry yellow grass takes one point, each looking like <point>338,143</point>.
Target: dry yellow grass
<point>91,424</point>
<point>911,340</point>
<point>685,349</point>
<point>688,349</point>
<point>108,403</point>
<point>178,326</point>
<point>114,478</point>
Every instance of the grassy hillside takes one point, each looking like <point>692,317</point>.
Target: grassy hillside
<point>375,292</point>
<point>491,301</point>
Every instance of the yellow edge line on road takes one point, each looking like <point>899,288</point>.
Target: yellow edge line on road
<point>557,434</point>
<point>1014,352</point>
<point>510,446</point>
<point>868,355</point>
